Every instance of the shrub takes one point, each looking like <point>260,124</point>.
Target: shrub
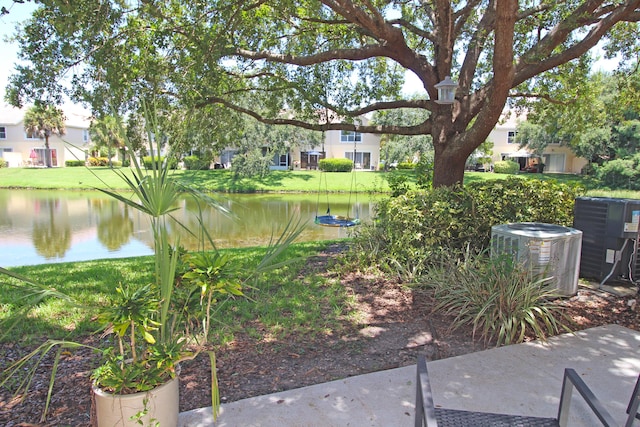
<point>195,163</point>
<point>588,169</point>
<point>502,299</point>
<point>147,161</point>
<point>521,200</point>
<point>620,173</point>
<point>424,172</point>
<point>398,183</point>
<point>3,163</point>
<point>98,161</point>
<point>415,229</point>
<point>335,165</point>
<point>506,166</point>
<point>406,165</point>
<point>74,163</point>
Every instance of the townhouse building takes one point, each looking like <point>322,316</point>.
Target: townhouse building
<point>22,149</point>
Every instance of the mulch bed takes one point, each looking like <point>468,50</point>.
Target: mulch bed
<point>398,324</point>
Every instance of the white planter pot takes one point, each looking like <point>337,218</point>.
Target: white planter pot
<point>161,404</point>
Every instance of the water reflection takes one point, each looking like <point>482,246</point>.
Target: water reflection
<point>51,229</point>
<point>54,226</point>
<point>115,228</point>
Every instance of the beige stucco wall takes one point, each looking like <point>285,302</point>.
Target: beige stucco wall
<point>370,143</point>
<point>499,136</point>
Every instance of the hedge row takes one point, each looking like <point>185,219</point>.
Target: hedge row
<point>74,163</point>
<point>194,163</point>
<point>506,166</point>
<point>147,161</point>
<point>335,165</point>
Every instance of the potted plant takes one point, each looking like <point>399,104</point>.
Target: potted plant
<point>147,359</point>
<point>138,380</point>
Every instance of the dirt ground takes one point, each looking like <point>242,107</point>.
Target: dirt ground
<point>398,324</point>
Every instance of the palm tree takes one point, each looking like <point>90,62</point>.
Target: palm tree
<point>105,132</point>
<point>45,120</point>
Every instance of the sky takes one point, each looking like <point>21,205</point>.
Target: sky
<point>19,12</point>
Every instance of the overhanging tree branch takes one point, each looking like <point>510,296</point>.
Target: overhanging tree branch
<point>419,129</point>
<point>540,58</point>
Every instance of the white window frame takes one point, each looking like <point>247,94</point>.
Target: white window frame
<point>511,136</point>
<point>3,132</point>
<point>348,137</point>
<point>85,135</point>
<point>360,155</point>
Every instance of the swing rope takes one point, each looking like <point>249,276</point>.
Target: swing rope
<point>329,220</point>
<point>326,191</point>
<point>356,209</point>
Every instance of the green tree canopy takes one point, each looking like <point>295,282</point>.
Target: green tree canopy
<point>600,123</point>
<point>295,61</point>
<point>107,132</point>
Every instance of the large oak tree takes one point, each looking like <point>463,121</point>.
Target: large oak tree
<point>318,64</point>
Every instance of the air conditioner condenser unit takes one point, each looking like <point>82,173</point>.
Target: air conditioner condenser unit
<point>549,250</point>
<point>610,240</point>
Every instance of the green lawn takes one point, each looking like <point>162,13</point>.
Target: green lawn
<point>289,302</point>
<point>212,180</point>
<point>276,181</point>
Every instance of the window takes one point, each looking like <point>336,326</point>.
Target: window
<point>31,135</point>
<point>39,156</point>
<point>3,132</point>
<point>511,137</point>
<point>349,136</point>
<point>283,160</point>
<point>85,135</point>
<point>363,160</point>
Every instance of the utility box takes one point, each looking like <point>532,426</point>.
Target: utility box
<point>551,251</point>
<point>610,237</point>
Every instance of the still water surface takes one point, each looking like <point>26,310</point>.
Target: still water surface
<point>38,227</point>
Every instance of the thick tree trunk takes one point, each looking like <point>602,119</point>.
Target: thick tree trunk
<point>47,152</point>
<point>453,139</point>
<point>448,167</point>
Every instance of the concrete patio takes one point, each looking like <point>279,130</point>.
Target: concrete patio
<point>520,379</point>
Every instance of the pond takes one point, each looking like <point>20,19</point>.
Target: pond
<point>38,227</point>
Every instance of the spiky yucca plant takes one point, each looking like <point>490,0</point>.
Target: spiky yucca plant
<point>502,299</point>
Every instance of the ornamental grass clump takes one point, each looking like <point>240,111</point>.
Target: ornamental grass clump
<point>502,299</point>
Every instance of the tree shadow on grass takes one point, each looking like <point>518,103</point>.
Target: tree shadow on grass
<point>227,181</point>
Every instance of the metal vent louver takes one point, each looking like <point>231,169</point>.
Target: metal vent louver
<point>610,244</point>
